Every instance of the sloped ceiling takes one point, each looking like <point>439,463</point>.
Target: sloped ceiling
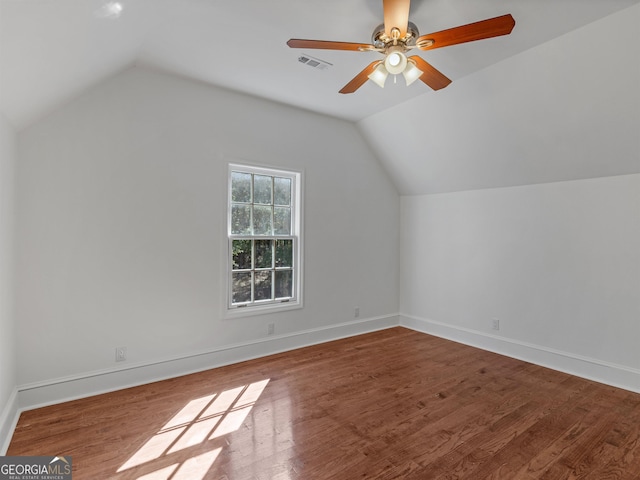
<point>51,50</point>
<point>568,109</point>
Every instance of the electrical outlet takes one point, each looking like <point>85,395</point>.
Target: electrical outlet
<point>121,354</point>
<point>356,312</point>
<point>271,328</point>
<point>495,324</point>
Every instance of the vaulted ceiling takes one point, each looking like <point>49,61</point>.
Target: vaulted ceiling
<point>51,50</point>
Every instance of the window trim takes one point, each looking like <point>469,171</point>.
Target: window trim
<point>257,308</point>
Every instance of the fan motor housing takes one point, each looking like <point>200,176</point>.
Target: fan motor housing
<point>381,40</point>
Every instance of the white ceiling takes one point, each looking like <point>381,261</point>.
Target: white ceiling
<point>53,49</point>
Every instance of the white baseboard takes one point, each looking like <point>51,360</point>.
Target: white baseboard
<point>59,390</point>
<point>27,397</point>
<point>619,376</point>
<point>8,421</point>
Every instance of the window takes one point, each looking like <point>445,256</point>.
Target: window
<point>264,238</point>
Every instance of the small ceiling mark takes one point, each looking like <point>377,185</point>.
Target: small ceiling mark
<point>110,10</point>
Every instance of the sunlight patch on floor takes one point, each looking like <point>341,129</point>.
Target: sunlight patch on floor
<point>201,420</point>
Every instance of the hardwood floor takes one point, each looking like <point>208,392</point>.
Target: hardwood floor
<point>394,404</point>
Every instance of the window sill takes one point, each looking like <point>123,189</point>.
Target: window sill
<point>261,309</point>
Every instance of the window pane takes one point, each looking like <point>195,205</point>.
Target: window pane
<point>282,191</point>
<point>264,254</point>
<point>282,221</point>
<point>263,238</point>
<point>263,286</point>
<point>262,189</point>
<point>284,283</point>
<point>241,254</point>
<point>240,219</point>
<point>241,287</point>
<point>240,187</point>
<point>284,253</point>
<point>262,220</point>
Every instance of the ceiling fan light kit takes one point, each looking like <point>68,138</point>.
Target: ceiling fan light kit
<point>379,75</point>
<point>397,35</point>
<point>411,73</point>
<point>395,61</point>
<point>401,64</point>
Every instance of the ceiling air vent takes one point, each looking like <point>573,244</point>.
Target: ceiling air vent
<point>314,62</point>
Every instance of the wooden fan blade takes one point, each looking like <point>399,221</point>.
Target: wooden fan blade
<point>396,15</point>
<point>492,27</point>
<point>430,75</point>
<point>360,78</point>
<point>326,45</point>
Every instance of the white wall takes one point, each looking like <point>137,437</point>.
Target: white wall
<point>558,264</point>
<point>7,331</point>
<point>121,221</point>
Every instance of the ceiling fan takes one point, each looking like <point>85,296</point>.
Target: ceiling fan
<point>397,35</point>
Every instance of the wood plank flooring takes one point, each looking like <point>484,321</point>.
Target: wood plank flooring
<point>395,404</point>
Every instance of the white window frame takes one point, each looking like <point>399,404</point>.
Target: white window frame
<point>267,306</point>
